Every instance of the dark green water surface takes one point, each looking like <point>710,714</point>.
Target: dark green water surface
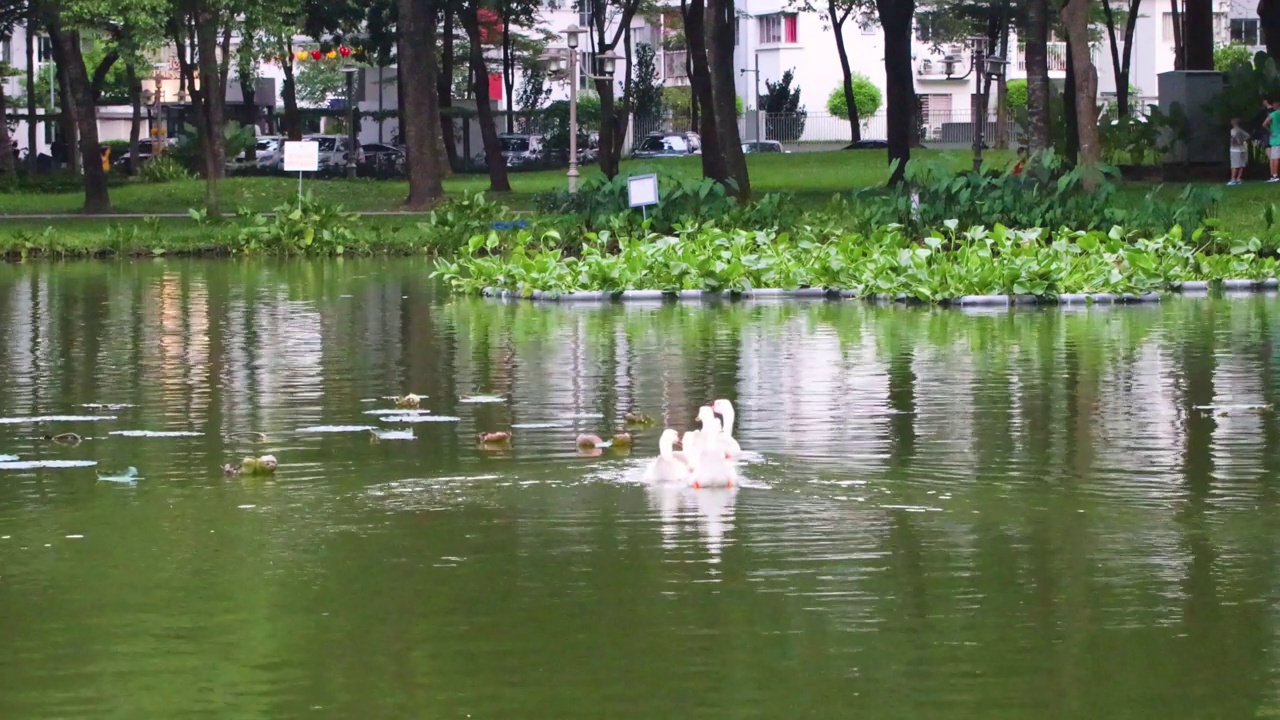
<point>951,515</point>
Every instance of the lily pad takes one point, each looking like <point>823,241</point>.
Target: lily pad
<point>420,419</point>
<point>396,411</point>
<point>106,406</point>
<point>46,464</point>
<point>393,434</point>
<point>535,426</point>
<point>337,429</point>
<point>129,476</point>
<point>54,418</point>
<point>155,433</point>
<point>481,399</point>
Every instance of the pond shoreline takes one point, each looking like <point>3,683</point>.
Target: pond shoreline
<point>1193,288</point>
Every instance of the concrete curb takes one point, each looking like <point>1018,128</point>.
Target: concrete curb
<point>1192,288</point>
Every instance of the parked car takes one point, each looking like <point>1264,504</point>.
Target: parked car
<point>269,151</point>
<point>125,164</point>
<point>763,146</point>
<point>520,151</point>
<point>665,145</point>
<point>868,145</point>
<point>382,160</point>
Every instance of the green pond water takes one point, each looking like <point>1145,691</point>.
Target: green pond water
<point>946,515</point>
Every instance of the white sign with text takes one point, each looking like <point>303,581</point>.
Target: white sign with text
<point>301,157</point>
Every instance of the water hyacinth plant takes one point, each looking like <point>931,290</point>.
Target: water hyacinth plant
<point>946,264</point>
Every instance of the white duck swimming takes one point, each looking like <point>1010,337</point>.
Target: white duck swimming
<point>724,409</point>
<point>710,466</point>
<point>669,466</point>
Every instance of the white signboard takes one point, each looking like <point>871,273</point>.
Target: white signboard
<point>642,190</point>
<point>301,156</point>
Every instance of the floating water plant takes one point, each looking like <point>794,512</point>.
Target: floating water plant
<point>337,429</point>
<point>535,426</point>
<point>379,435</point>
<point>8,458</point>
<point>481,399</point>
<point>54,418</point>
<point>106,406</point>
<point>423,418</point>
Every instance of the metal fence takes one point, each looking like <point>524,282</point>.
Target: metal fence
<point>819,131</point>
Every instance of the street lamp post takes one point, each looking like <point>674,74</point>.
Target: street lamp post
<point>558,65</point>
<point>982,66</point>
<point>350,71</point>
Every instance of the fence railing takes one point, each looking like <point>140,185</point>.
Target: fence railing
<point>1057,52</point>
<point>943,128</point>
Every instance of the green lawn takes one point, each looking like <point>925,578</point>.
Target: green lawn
<point>812,178</point>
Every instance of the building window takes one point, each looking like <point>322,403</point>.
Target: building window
<point>1219,26</point>
<point>6,52</point>
<point>1245,31</point>
<point>778,28</point>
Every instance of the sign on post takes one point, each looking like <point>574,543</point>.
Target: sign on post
<point>642,191</point>
<point>300,157</point>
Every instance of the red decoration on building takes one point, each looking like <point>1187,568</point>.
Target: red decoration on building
<point>490,26</point>
<point>344,51</point>
<point>495,86</point>
<point>316,54</point>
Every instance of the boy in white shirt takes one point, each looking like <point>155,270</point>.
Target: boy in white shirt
<point>1239,152</point>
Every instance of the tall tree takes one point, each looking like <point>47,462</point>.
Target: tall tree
<point>1075,20</point>
<point>693,13</point>
<point>33,25</point>
<point>416,36</point>
<point>82,110</point>
<point>895,18</point>
<point>721,24</point>
<point>470,16</point>
<point>1037,57</point>
<point>1121,59</point>
<point>613,115</point>
<point>8,165</point>
<point>1198,40</point>
<point>835,14</point>
<point>1269,22</point>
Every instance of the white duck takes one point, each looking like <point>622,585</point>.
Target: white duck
<point>711,468</point>
<point>669,466</point>
<point>724,409</point>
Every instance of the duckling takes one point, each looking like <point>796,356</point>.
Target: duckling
<point>409,401</point>
<point>633,418</point>
<point>493,440</point>
<point>588,441</point>
<point>265,465</point>
<point>622,440</point>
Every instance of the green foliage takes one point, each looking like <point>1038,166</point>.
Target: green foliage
<point>1230,56</point>
<point>1015,95</point>
<point>163,169</point>
<point>786,115</point>
<point>555,119</point>
<point>1044,196</point>
<point>646,87</point>
<point>189,151</point>
<point>310,228</point>
<point>948,263</point>
<point>866,96</point>
<point>449,226</point>
<point>319,80</point>
<point>600,202</point>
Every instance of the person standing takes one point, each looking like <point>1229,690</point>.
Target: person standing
<point>1272,123</point>
<point>1239,152</point>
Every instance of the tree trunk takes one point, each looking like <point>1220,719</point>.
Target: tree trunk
<point>508,66</point>
<point>249,90</point>
<point>8,164</point>
<point>417,97</point>
<point>895,18</point>
<point>720,22</point>
<point>434,116</point>
<point>703,119</point>
<point>1071,137</point>
<point>96,199</point>
<point>444,91</point>
<point>1179,39</point>
<point>66,106</point>
<point>289,91</point>
<point>1002,86</point>
<point>210,100</point>
<point>1198,41</point>
<point>498,181</point>
<point>1269,21</point>
<point>838,20</point>
<point>32,25</point>
<point>135,122</point>
<point>1036,49</point>
<point>1075,18</point>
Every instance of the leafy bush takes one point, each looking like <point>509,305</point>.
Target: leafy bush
<point>1230,56</point>
<point>163,169</point>
<point>866,96</point>
<point>189,150</point>
<point>1015,96</point>
<point>1044,196</point>
<point>453,222</point>
<point>786,116</point>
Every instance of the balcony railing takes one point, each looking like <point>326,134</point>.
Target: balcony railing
<point>673,64</point>
<point>1057,52</point>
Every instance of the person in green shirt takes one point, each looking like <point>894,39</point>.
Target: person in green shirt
<point>1273,124</point>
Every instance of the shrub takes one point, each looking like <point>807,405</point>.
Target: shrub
<point>163,169</point>
<point>1015,96</point>
<point>311,228</point>
<point>866,96</point>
